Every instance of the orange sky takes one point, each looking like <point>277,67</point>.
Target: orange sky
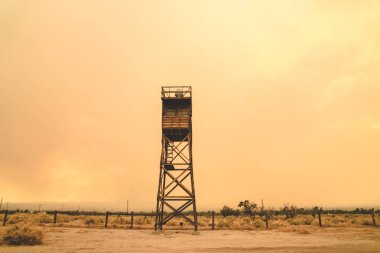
<point>286,102</point>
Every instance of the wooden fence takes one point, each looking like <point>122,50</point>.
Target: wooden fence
<point>107,214</point>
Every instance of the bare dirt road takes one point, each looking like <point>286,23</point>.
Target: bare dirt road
<point>117,240</point>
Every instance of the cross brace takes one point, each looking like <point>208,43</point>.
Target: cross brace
<point>176,183</point>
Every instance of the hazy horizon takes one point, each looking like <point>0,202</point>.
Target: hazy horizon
<point>286,100</point>
<point>122,206</point>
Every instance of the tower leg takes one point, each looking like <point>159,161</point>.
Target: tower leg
<point>176,190</point>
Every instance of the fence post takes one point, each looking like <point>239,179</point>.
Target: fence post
<point>106,220</point>
<point>131,219</point>
<point>213,220</point>
<point>5,217</point>
<point>55,216</point>
<point>319,217</point>
<point>373,217</point>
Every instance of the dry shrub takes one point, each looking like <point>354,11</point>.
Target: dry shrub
<point>354,220</point>
<point>63,218</point>
<point>28,218</point>
<point>300,221</point>
<point>91,220</point>
<point>257,223</point>
<point>117,220</point>
<point>173,222</point>
<point>14,219</point>
<point>149,220</point>
<point>366,222</point>
<point>295,222</point>
<point>315,222</point>
<point>201,223</point>
<point>308,221</point>
<point>244,222</point>
<point>44,218</point>
<point>23,236</point>
<point>337,220</point>
<point>226,222</point>
<point>140,220</point>
<point>204,221</point>
<point>276,224</point>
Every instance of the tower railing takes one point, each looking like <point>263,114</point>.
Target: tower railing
<point>175,92</point>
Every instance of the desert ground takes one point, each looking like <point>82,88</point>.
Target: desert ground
<point>340,233</point>
<point>118,240</point>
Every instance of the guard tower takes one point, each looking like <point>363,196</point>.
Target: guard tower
<point>176,190</point>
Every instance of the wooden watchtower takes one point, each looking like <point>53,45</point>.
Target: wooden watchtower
<point>176,191</point>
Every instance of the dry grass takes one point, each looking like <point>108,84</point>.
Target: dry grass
<point>230,222</point>
<point>25,235</point>
<point>301,221</point>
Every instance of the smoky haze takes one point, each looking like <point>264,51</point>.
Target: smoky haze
<point>286,100</point>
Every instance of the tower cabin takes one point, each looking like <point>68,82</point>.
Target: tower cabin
<point>176,112</point>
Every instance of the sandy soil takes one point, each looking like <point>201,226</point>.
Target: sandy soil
<point>118,240</point>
